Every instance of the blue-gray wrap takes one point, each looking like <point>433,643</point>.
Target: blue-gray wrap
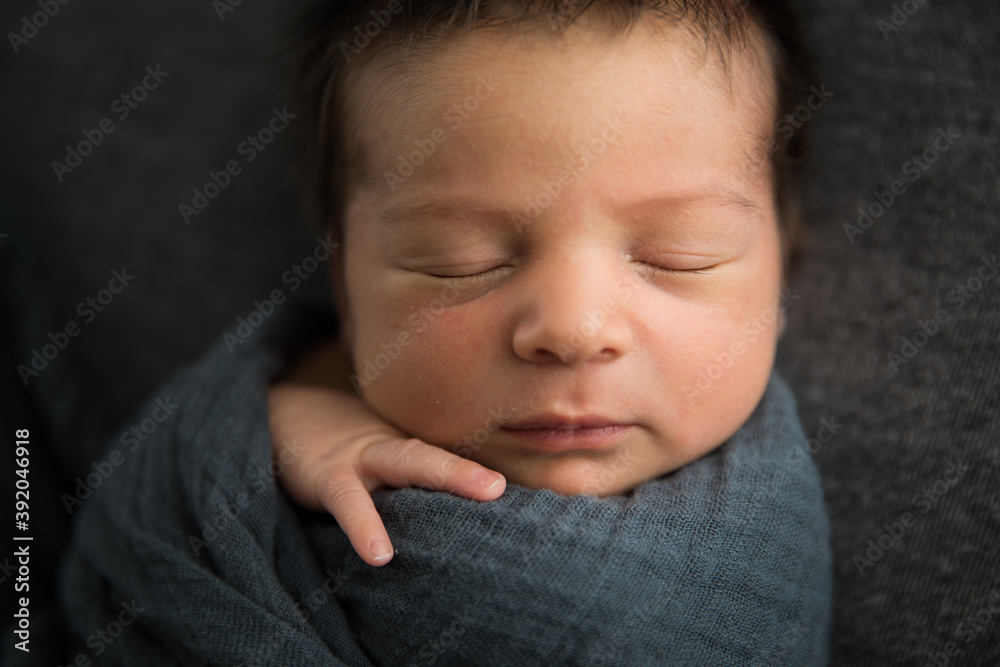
<point>189,541</point>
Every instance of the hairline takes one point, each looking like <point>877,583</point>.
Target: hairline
<point>390,54</point>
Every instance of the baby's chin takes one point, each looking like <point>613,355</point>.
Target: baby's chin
<point>578,475</point>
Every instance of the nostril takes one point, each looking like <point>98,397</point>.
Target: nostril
<point>569,333</point>
<point>542,355</point>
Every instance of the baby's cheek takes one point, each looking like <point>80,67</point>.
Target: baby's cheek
<point>730,381</point>
<point>431,385</point>
<point>687,345</point>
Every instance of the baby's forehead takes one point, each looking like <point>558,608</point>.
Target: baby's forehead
<point>730,57</point>
<point>443,88</point>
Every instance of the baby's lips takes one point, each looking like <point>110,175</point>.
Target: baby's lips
<point>562,422</point>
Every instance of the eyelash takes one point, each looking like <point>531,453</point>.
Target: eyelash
<point>482,275</point>
<point>663,269</point>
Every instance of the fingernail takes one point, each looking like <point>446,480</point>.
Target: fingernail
<point>487,479</point>
<point>379,550</point>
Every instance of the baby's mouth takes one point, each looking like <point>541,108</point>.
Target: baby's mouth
<point>561,432</point>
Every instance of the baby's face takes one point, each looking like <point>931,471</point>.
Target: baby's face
<point>566,263</point>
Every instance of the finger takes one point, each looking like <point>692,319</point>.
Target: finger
<point>411,462</point>
<point>296,476</point>
<point>346,498</point>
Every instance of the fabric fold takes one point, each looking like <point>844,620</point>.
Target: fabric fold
<point>725,561</point>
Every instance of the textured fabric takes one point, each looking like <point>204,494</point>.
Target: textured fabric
<point>725,562</point>
<point>881,439</point>
<point>927,593</point>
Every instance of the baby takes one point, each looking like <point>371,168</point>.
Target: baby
<point>564,235</point>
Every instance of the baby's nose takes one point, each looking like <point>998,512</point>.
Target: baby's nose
<point>573,315</point>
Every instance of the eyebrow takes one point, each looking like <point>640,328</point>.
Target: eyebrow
<point>437,208</point>
<point>458,208</point>
<point>714,195</point>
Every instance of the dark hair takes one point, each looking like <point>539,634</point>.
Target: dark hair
<point>337,36</point>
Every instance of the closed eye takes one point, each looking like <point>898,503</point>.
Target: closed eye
<point>699,270</point>
<point>460,274</point>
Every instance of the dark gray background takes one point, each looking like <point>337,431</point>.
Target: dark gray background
<point>891,95</point>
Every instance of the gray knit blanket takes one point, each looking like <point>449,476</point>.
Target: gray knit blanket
<point>188,552</point>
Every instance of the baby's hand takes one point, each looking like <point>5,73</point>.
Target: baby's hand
<point>335,451</point>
